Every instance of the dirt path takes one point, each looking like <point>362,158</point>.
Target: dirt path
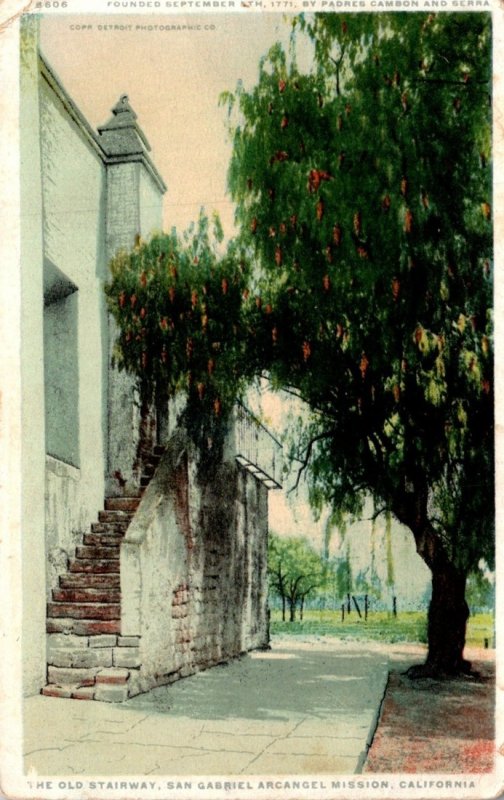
<point>437,726</point>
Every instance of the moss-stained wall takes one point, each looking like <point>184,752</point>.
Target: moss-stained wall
<point>193,569</point>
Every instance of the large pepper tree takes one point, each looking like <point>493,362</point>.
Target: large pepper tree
<point>364,189</point>
<point>363,192</point>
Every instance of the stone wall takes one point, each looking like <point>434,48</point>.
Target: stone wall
<point>193,570</point>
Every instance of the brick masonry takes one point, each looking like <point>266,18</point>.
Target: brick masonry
<point>187,593</point>
<point>87,658</point>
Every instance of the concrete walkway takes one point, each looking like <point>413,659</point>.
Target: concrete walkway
<point>303,707</point>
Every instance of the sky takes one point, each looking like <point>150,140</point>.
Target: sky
<point>173,79</point>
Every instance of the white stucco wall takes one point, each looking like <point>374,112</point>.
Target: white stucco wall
<point>32,370</point>
<point>73,183</point>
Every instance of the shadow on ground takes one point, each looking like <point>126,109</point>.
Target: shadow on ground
<point>279,684</point>
<point>301,708</point>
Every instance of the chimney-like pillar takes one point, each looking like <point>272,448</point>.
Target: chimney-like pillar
<point>134,196</point>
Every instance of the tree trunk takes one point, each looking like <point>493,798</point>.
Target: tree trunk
<point>301,609</point>
<point>292,609</point>
<point>448,610</point>
<point>283,608</point>
<point>447,620</point>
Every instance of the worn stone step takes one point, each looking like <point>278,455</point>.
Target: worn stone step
<point>101,581</point>
<point>80,676</point>
<point>113,675</point>
<point>109,527</point>
<point>129,504</point>
<point>92,565</point>
<point>83,657</point>
<point>114,516</point>
<point>103,539</point>
<point>87,594</point>
<point>102,611</point>
<point>82,627</point>
<point>100,552</point>
<point>73,690</point>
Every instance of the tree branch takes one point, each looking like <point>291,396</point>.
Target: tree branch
<point>308,452</point>
<point>337,63</point>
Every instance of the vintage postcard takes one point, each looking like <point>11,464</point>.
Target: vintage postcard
<point>251,330</point>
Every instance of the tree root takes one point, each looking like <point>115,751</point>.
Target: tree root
<point>438,672</point>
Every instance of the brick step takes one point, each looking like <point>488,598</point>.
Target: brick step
<point>73,690</point>
<point>103,539</point>
<point>87,594</point>
<point>96,566</point>
<point>82,627</point>
<point>114,516</point>
<point>129,504</point>
<point>80,676</point>
<point>101,552</point>
<point>101,611</point>
<point>109,527</point>
<point>84,579</point>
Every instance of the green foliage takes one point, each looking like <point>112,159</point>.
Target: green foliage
<point>295,570</point>
<point>480,591</point>
<point>381,626</point>
<point>343,574</point>
<point>363,189</point>
<point>177,304</point>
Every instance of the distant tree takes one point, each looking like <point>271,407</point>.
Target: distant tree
<point>296,571</point>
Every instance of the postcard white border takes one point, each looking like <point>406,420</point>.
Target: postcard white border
<point>13,782</point>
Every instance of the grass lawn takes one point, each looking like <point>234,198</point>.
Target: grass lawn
<point>408,626</point>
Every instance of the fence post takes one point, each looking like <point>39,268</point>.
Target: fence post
<point>357,606</point>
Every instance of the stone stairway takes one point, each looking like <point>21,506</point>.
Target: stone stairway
<point>87,658</point>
